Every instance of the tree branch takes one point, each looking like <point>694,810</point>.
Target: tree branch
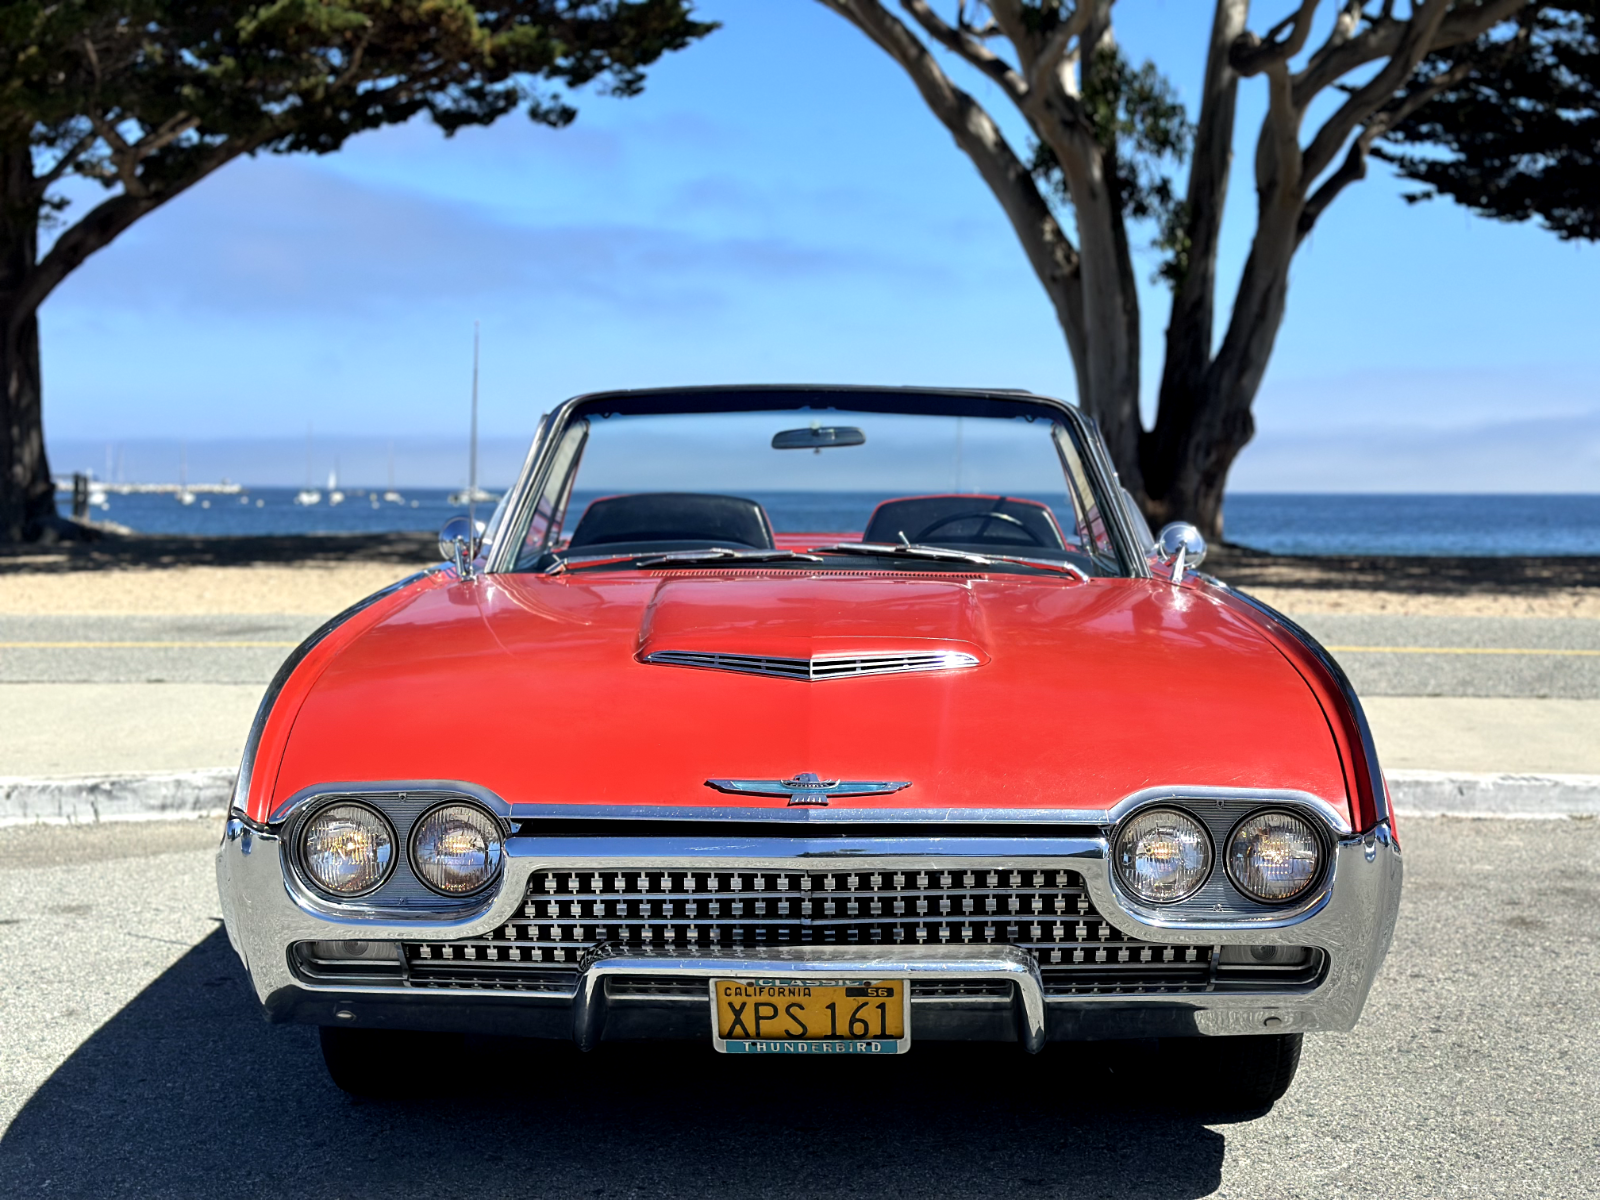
<point>1414,45</point>
<point>1251,54</point>
<point>1049,57</point>
<point>68,158</point>
<point>1354,166</point>
<point>1050,252</point>
<point>968,47</point>
<point>1382,39</point>
<point>1189,328</point>
<point>101,224</point>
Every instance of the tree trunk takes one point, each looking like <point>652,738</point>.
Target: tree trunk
<point>27,495</point>
<point>1206,424</point>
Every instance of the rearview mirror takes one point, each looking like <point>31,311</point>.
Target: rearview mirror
<point>818,438</point>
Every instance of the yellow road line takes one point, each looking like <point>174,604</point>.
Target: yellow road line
<point>1459,650</point>
<point>144,645</point>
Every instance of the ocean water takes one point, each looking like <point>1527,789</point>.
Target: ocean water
<point>1468,526</point>
<point>272,511</point>
<point>1465,525</point>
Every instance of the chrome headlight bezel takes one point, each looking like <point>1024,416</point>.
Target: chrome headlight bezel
<point>1204,842</point>
<point>302,828</point>
<point>420,824</point>
<point>1318,836</point>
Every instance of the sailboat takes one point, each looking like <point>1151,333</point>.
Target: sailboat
<point>335,496</point>
<point>391,496</point>
<point>473,495</point>
<point>185,496</point>
<point>308,495</point>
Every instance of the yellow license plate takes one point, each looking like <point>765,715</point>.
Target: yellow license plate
<point>810,1016</point>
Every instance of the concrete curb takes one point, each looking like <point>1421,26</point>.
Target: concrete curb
<point>1459,794</point>
<point>86,799</point>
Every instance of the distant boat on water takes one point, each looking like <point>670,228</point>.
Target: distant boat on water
<point>472,495</point>
<point>185,496</point>
<point>335,496</point>
<point>308,495</point>
<point>391,496</point>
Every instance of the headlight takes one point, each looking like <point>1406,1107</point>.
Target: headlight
<point>1274,856</point>
<point>347,849</point>
<point>1163,855</point>
<point>457,849</point>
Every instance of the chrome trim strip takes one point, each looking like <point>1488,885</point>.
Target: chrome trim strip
<point>1380,792</point>
<point>817,668</point>
<point>247,764</point>
<point>370,787</point>
<point>1099,817</point>
<point>900,962</point>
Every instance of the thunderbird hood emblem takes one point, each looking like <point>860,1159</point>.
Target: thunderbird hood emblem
<point>807,788</point>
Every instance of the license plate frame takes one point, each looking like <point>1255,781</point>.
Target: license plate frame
<point>817,993</point>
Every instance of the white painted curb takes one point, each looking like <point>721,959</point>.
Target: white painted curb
<point>85,799</point>
<point>1459,794</point>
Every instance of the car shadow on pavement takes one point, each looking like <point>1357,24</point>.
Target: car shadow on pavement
<point>186,1092</point>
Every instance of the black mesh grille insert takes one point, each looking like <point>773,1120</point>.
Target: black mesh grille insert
<point>568,914</point>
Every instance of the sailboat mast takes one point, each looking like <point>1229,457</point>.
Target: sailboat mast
<point>472,454</point>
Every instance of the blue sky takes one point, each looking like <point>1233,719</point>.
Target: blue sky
<point>778,206</point>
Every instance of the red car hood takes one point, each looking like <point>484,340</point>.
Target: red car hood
<point>534,688</point>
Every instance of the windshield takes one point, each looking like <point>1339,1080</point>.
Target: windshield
<point>856,489</point>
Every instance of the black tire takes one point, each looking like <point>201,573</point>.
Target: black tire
<point>1241,1074</point>
<point>385,1063</point>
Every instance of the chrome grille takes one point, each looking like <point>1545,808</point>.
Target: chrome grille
<point>570,914</point>
<point>823,666</point>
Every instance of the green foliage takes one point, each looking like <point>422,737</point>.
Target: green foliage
<point>149,95</point>
<point>1519,138</point>
<point>1137,117</point>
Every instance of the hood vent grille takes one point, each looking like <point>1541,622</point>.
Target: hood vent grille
<point>824,666</point>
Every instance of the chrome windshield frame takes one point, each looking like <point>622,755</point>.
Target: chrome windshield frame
<point>512,515</point>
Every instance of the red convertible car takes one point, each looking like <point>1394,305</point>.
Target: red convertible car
<point>814,720</point>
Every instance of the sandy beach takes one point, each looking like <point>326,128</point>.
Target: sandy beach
<point>322,574</point>
<point>317,576</point>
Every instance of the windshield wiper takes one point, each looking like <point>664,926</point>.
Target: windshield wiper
<point>720,554</point>
<point>906,550</point>
<point>945,554</point>
<point>1064,568</point>
<point>714,554</point>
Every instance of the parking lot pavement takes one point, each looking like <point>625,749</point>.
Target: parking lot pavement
<point>1486,734</point>
<point>1512,657</point>
<point>146,1071</point>
<point>242,648</point>
<point>65,729</point>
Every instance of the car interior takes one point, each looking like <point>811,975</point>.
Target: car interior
<point>668,522</point>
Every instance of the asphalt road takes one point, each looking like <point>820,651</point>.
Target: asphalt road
<point>173,649</point>
<point>134,1063</point>
<point>1384,655</point>
<point>1464,656</point>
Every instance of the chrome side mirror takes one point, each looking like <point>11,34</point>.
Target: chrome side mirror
<point>1181,545</point>
<point>459,542</point>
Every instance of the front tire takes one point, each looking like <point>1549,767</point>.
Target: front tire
<point>1241,1074</point>
<point>384,1063</point>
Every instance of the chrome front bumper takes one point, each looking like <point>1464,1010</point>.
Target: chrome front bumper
<point>1350,917</point>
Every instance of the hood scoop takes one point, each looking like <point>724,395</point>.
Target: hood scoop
<point>817,667</point>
